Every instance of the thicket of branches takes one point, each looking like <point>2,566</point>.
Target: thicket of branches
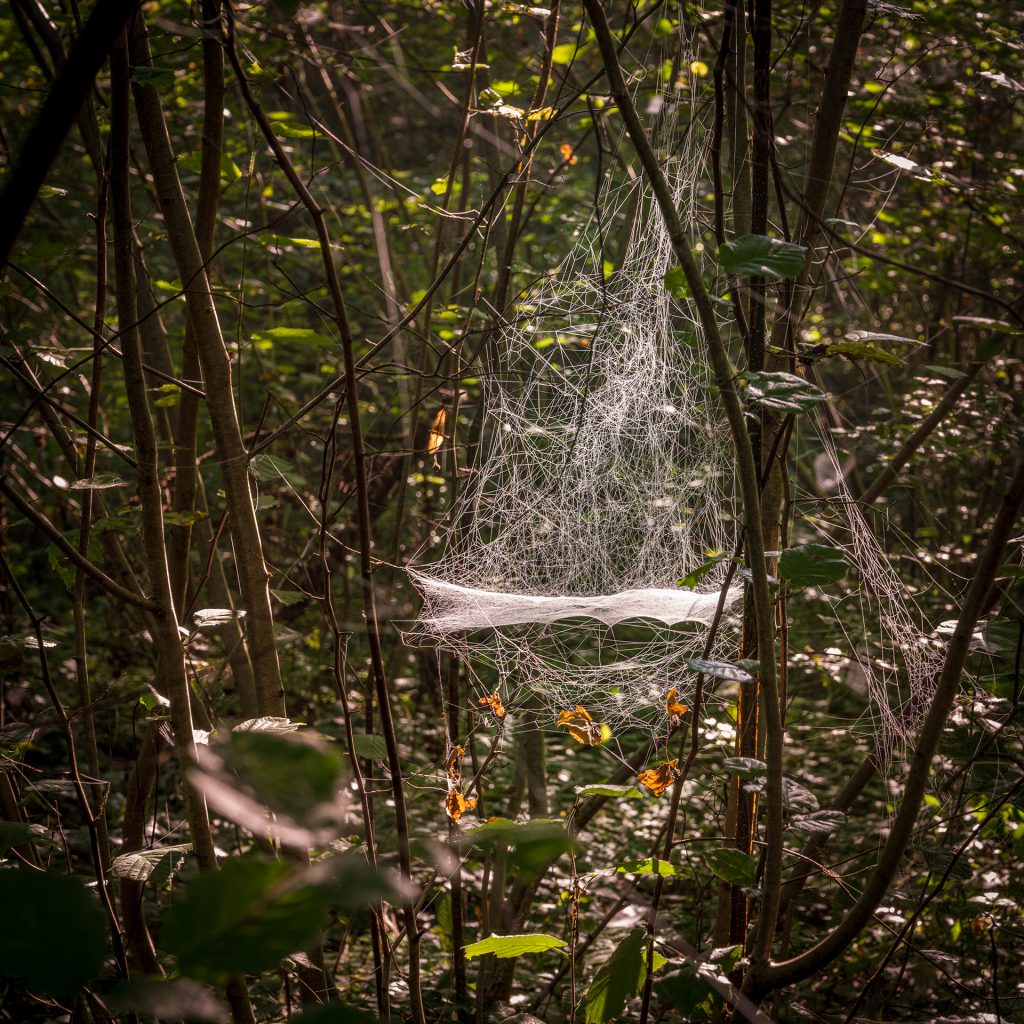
<point>255,260</point>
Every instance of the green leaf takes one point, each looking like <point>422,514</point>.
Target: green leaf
<point>691,580</point>
<point>174,999</point>
<point>866,350</point>
<point>609,789</point>
<point>564,53</point>
<point>139,865</point>
<point>534,844</point>
<point>293,773</point>
<point>720,670</point>
<point>695,998</point>
<point>675,281</point>
<point>760,256</point>
<point>784,392</point>
<point>650,866</point>
<point>506,946</point>
<point>827,820</point>
<point>808,564</point>
<point>990,347</point>
<point>18,833</point>
<point>732,866</point>
<point>371,745</point>
<point>54,934</point>
<point>244,918</point>
<point>292,335</point>
<point>618,980</point>
<point>745,767</point>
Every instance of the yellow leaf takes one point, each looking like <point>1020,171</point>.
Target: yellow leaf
<point>582,728</point>
<point>494,703</point>
<point>657,780</point>
<point>698,68</point>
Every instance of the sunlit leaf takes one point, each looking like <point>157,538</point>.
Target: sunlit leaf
<point>494,703</point>
<point>139,865</point>
<point>505,946</point>
<point>609,789</point>
<point>720,670</point>
<point>650,866</point>
<point>581,727</point>
<point>456,804</point>
<point>436,438</point>
<point>657,780</point>
<point>673,708</point>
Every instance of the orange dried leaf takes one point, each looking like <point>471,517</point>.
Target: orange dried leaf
<point>657,780</point>
<point>494,703</point>
<point>436,438</point>
<point>453,766</point>
<point>582,728</point>
<point>673,708</point>
<point>566,150</point>
<point>456,804</point>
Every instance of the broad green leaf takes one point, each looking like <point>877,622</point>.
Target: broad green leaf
<point>564,53</point>
<point>745,767</point>
<point>760,256</point>
<point>783,392</point>
<point>139,865</point>
<point>618,980</point>
<point>732,866</point>
<point>17,833</point>
<point>54,934</point>
<point>691,995</point>
<point>806,565</point>
<point>371,745</point>
<point>866,350</point>
<point>296,774</point>
<point>533,844</point>
<point>691,580</point>
<point>506,946</point>
<point>720,670</point>
<point>626,792</point>
<point>675,281</point>
<point>650,866</point>
<point>827,820</point>
<point>173,999</point>
<point>244,918</point>
<point>294,335</point>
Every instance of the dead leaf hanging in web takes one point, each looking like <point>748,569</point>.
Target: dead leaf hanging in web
<point>494,703</point>
<point>657,780</point>
<point>453,766</point>
<point>673,708</point>
<point>436,438</point>
<point>582,728</point>
<point>456,804</point>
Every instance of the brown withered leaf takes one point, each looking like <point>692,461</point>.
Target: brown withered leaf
<point>657,780</point>
<point>494,703</point>
<point>456,804</point>
<point>673,708</point>
<point>453,766</point>
<point>436,437</point>
<point>582,728</point>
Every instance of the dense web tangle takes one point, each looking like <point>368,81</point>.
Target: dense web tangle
<point>605,476</point>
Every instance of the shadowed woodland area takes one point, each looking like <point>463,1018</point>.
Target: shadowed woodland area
<point>677,348</point>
